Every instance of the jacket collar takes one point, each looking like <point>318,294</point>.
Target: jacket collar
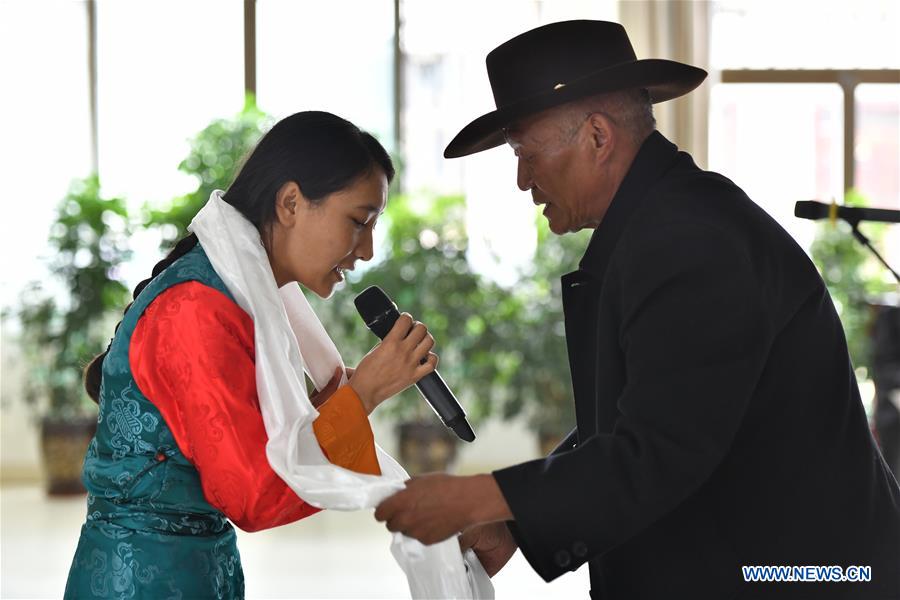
<point>654,158</point>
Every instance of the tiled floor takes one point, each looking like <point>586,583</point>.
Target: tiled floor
<point>330,555</point>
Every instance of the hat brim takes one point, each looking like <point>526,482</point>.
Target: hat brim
<point>663,79</point>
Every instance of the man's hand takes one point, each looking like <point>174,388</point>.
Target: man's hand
<point>493,544</point>
<point>435,507</point>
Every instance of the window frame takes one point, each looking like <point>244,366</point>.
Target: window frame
<point>847,79</point>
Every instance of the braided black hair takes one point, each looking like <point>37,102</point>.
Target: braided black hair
<point>93,372</point>
<point>321,152</point>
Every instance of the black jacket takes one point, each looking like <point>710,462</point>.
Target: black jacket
<point>719,423</point>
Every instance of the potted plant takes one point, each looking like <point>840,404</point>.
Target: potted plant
<point>60,335</point>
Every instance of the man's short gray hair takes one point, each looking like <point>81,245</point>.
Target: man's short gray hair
<point>630,110</point>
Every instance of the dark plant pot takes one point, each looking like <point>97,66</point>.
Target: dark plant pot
<point>548,440</point>
<point>63,446</point>
<point>426,447</point>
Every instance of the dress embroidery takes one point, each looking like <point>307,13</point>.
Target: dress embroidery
<point>149,531</point>
<point>155,528</point>
<point>126,422</point>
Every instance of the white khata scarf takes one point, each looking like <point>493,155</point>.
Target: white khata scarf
<point>289,340</point>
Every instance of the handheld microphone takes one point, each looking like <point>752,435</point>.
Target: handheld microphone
<point>810,209</point>
<point>380,313</point>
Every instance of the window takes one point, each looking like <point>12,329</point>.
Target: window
<point>780,143</point>
<point>446,87</point>
<point>157,86</point>
<point>165,69</point>
<point>331,56</point>
<point>877,143</point>
<point>843,65</point>
<point>46,127</point>
<point>749,34</point>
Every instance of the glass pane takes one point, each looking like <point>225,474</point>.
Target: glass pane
<point>804,34</point>
<point>877,150</point>
<point>165,70</point>
<point>446,79</point>
<point>446,87</point>
<point>332,56</point>
<point>46,130</point>
<point>780,143</point>
<point>877,154</point>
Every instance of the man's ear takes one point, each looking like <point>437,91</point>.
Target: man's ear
<point>602,136</point>
<point>287,203</point>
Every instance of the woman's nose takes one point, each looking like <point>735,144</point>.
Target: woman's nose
<point>365,250</point>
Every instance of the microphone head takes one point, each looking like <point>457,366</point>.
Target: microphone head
<point>372,302</point>
<point>810,209</point>
<point>462,429</point>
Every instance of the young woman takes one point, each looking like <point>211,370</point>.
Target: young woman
<point>180,449</point>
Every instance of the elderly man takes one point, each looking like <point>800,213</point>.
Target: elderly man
<point>719,425</point>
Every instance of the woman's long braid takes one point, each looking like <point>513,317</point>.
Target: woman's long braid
<point>93,372</point>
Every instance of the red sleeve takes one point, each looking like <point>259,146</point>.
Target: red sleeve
<point>192,355</point>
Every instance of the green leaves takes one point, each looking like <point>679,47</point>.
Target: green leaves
<point>216,154</point>
<point>88,241</point>
<point>853,277</point>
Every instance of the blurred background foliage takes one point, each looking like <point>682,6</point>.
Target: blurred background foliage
<point>423,267</point>
<point>62,332</point>
<point>215,156</point>
<point>502,350</point>
<point>855,279</point>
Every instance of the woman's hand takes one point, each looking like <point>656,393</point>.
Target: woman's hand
<point>402,358</point>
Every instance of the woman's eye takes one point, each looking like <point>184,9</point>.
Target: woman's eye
<point>358,224</point>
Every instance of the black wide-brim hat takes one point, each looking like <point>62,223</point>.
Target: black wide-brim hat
<point>562,62</point>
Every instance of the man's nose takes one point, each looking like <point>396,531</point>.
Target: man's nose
<point>523,176</point>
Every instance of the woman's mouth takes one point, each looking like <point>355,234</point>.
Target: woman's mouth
<point>339,273</point>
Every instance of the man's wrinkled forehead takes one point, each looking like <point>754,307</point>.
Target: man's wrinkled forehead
<point>528,129</point>
<point>517,131</point>
<point>512,135</point>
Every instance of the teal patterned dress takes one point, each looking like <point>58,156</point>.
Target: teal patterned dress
<point>150,532</point>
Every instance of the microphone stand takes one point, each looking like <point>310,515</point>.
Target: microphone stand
<point>862,239</point>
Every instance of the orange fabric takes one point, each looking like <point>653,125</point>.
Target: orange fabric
<point>344,432</point>
<point>192,354</point>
